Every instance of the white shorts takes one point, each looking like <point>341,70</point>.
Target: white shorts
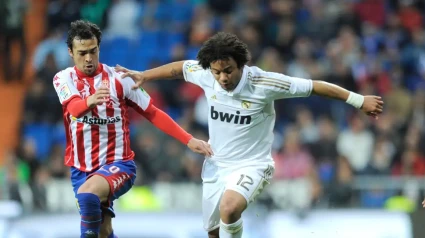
<point>247,179</point>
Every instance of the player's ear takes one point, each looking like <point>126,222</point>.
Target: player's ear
<point>71,54</point>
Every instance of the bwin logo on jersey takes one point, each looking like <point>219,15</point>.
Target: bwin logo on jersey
<point>229,117</point>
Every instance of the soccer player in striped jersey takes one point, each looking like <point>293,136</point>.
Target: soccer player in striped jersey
<point>241,121</point>
<point>95,100</point>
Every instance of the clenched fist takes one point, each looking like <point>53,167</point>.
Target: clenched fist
<point>100,96</point>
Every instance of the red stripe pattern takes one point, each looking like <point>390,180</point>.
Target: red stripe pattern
<point>102,136</point>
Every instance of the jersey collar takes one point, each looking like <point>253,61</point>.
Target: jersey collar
<point>83,75</point>
<point>240,85</point>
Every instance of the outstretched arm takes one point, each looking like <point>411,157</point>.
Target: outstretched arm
<point>169,71</point>
<point>164,122</point>
<point>371,105</point>
<point>140,101</point>
<point>279,86</point>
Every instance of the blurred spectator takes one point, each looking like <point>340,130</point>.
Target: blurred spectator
<point>382,156</point>
<point>12,27</point>
<point>411,164</point>
<point>95,11</point>
<point>309,132</point>
<point>356,144</point>
<point>222,6</point>
<point>341,193</point>
<point>56,168</point>
<point>53,46</point>
<point>371,11</point>
<point>122,19</point>
<point>61,12</point>
<point>324,150</point>
<point>410,17</point>
<point>295,176</point>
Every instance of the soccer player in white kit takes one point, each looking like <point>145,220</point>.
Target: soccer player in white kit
<point>241,121</point>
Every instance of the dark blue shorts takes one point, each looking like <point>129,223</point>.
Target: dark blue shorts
<point>120,176</point>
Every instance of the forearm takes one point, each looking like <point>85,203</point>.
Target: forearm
<point>77,107</point>
<point>164,122</point>
<point>169,71</point>
<point>330,90</point>
<point>334,91</point>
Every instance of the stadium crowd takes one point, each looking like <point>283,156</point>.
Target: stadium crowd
<point>367,46</point>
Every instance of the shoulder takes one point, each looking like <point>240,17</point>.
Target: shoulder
<point>65,74</point>
<point>256,77</point>
<point>267,80</point>
<point>111,72</point>
<point>191,65</point>
<point>260,73</point>
<point>255,71</point>
<point>116,75</point>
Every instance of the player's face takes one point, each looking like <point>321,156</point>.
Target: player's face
<point>227,73</point>
<point>85,54</point>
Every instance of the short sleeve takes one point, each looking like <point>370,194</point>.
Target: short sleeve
<point>193,72</point>
<point>279,86</point>
<point>135,98</point>
<point>65,87</point>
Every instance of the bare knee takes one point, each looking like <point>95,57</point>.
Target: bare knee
<point>106,227</point>
<point>213,234</point>
<point>96,185</point>
<point>231,207</point>
<point>230,211</point>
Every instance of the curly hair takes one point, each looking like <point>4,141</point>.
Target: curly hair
<point>223,46</point>
<point>83,30</point>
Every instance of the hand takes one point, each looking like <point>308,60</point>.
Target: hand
<point>135,75</point>
<point>423,203</point>
<point>372,106</point>
<point>100,96</point>
<point>199,146</point>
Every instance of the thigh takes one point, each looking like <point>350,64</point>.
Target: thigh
<point>78,178</point>
<point>250,181</point>
<point>120,177</point>
<point>212,190</point>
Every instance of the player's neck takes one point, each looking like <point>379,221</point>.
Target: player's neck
<point>81,74</point>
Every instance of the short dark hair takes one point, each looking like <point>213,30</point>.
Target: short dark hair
<point>84,30</point>
<point>223,46</point>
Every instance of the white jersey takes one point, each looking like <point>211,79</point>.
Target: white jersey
<point>241,122</point>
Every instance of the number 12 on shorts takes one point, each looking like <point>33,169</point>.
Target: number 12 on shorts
<point>245,179</point>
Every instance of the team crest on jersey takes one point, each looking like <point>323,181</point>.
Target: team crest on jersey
<point>246,104</point>
<point>214,97</point>
<point>105,83</point>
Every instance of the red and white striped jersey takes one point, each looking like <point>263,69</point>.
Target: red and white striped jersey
<point>101,136</point>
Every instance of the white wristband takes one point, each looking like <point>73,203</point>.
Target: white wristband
<point>356,100</point>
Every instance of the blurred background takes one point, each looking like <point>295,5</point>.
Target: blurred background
<point>338,173</point>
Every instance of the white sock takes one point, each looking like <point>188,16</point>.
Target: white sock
<point>233,230</point>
